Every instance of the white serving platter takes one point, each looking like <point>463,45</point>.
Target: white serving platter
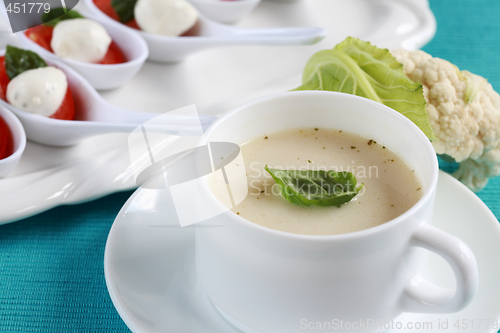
<point>215,81</point>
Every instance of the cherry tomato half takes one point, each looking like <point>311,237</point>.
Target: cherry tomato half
<point>6,140</point>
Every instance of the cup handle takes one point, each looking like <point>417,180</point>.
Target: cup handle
<point>422,296</point>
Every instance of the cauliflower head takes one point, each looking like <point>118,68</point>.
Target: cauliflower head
<point>464,112</point>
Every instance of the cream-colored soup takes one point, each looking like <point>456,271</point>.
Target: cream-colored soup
<point>391,186</point>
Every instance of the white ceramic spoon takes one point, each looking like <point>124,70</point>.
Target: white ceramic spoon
<point>96,116</point>
<point>103,76</point>
<point>225,11</point>
<point>213,34</point>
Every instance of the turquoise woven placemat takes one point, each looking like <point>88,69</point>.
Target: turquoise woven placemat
<point>51,265</point>
<point>51,270</point>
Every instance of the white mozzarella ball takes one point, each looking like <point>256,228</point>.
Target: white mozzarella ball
<point>80,39</point>
<point>165,17</point>
<point>40,91</point>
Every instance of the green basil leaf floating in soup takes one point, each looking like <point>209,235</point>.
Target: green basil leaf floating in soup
<point>315,187</point>
<point>124,9</point>
<point>19,60</point>
<point>474,84</point>
<point>360,68</point>
<point>58,14</point>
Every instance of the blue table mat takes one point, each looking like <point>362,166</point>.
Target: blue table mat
<point>51,265</point>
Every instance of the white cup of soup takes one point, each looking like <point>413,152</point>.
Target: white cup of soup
<point>275,266</point>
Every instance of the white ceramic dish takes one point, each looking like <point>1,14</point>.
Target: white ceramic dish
<point>213,34</point>
<point>215,80</point>
<point>151,276</point>
<point>100,76</point>
<point>19,141</point>
<point>225,11</point>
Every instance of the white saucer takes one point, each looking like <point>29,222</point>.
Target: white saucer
<point>151,277</point>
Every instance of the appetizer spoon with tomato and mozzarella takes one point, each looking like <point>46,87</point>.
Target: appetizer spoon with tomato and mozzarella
<point>106,54</point>
<point>174,29</point>
<point>58,107</point>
